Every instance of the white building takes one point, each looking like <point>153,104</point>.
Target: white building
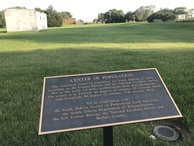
<point>185,16</point>
<point>191,15</point>
<point>24,20</point>
<point>181,16</point>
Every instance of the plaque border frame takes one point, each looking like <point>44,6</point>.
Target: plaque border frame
<point>105,125</point>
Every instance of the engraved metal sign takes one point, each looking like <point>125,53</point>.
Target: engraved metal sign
<point>76,102</point>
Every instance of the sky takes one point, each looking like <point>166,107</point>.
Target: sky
<point>88,10</point>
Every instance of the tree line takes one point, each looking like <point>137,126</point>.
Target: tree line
<point>143,13</point>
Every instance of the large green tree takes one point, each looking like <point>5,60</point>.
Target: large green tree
<point>180,10</point>
<point>54,18</point>
<point>163,14</point>
<point>107,17</point>
<point>129,16</point>
<point>114,16</point>
<point>65,15</point>
<point>100,17</point>
<point>144,12</point>
<point>191,11</point>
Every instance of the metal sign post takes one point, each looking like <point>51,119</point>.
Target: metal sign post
<point>108,136</point>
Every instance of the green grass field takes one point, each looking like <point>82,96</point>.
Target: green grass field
<point>27,57</point>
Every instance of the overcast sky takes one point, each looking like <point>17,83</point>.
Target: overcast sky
<point>88,10</point>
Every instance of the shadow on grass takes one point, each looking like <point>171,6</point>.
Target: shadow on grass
<point>3,31</point>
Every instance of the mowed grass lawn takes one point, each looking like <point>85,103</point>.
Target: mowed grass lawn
<point>27,57</point>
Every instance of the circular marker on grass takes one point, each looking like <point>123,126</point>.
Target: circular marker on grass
<point>165,133</point>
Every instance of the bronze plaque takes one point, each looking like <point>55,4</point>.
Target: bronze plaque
<point>76,102</point>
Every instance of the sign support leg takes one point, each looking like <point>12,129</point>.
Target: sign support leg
<point>108,136</point>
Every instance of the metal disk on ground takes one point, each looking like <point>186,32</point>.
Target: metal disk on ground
<point>165,132</point>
